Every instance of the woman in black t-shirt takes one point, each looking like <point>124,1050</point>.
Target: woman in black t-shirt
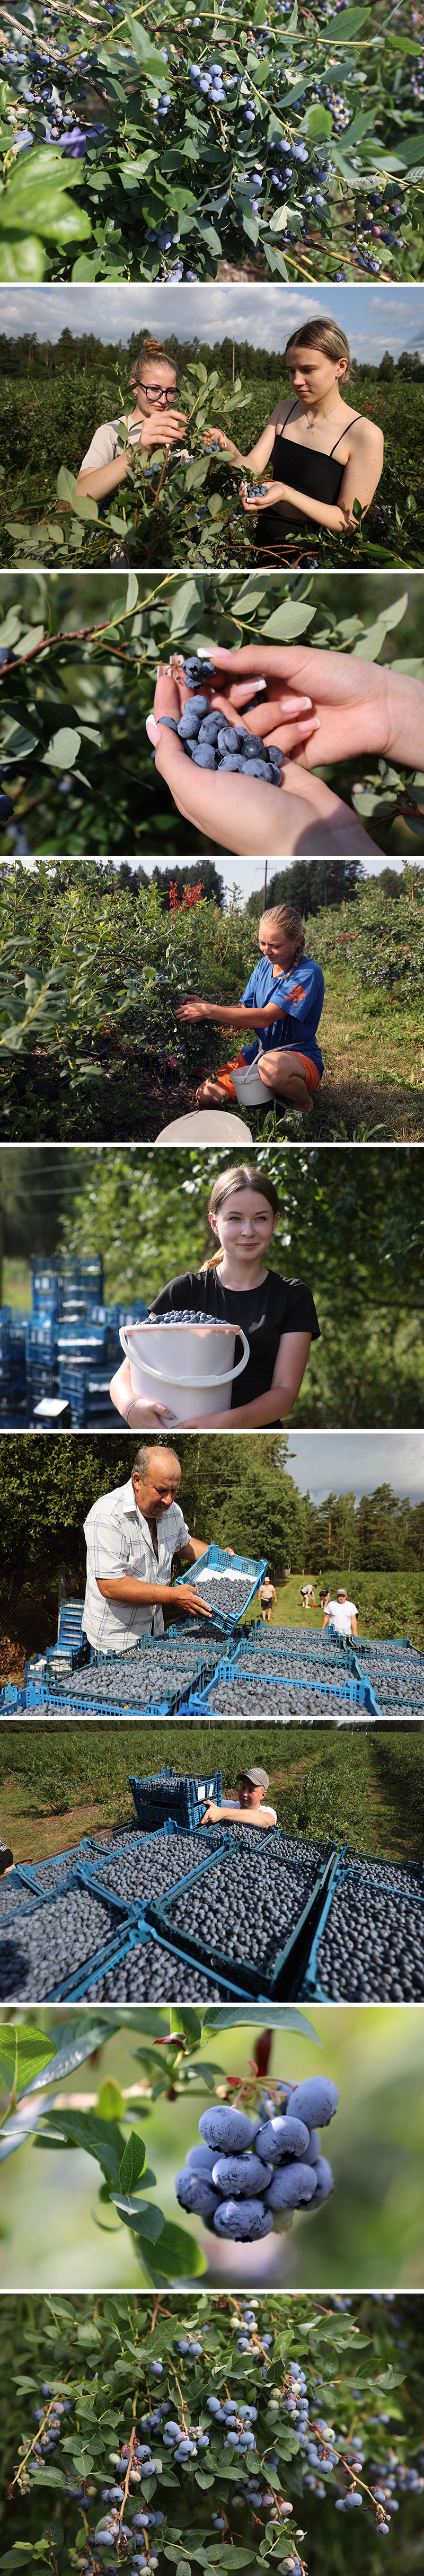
<point>277,1315</point>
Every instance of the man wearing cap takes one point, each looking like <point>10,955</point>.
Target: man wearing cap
<point>341,1614</point>
<point>247,1809</point>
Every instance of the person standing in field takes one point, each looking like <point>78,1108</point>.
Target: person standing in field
<point>341,1614</point>
<point>266,1596</point>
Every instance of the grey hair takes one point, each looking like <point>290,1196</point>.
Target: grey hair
<point>141,1460</point>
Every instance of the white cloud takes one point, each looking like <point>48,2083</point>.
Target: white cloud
<point>374,318</point>
<point>342,1462</point>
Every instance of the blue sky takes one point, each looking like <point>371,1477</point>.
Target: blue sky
<point>375,317</point>
<point>344,1462</point>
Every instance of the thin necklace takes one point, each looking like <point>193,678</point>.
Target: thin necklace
<point>326,415</point>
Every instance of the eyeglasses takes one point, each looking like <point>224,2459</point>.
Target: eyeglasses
<point>158,393</point>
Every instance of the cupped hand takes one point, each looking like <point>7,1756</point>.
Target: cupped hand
<point>243,814</point>
<point>261,500</point>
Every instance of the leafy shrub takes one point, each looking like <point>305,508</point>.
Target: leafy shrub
<point>280,153</point>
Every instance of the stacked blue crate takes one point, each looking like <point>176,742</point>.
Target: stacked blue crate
<point>12,1367</point>
<point>41,1363</point>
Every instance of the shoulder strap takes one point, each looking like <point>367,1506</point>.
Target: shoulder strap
<point>293,407</point>
<point>352,423</point>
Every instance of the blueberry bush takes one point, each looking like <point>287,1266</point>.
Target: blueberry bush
<point>125,2413</point>
<point>77,674</point>
<point>282,140</point>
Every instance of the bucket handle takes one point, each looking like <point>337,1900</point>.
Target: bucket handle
<point>188,1381</point>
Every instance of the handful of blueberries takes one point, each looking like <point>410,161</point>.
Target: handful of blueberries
<point>213,743</point>
<point>247,2173</point>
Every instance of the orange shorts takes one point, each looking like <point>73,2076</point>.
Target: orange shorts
<point>310,1070</point>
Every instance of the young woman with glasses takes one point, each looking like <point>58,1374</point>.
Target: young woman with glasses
<point>155,422</point>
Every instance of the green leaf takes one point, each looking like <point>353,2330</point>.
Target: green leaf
<point>21,257</point>
<point>412,150</point>
<point>393,615</point>
<point>100,2138</point>
<point>18,741</point>
<point>63,749</point>
<point>278,222</point>
<point>286,623</point>
<point>153,64</point>
<point>132,2162</point>
<point>139,2215</point>
<point>110,2104</point>
<point>22,2054</point>
<point>132,593</point>
<point>64,2060</point>
<point>46,2477</point>
<point>370,643</point>
<point>278,2016</point>
<point>178,2257</point>
<point>318,123</point>
<point>186,601</point>
<point>66,484</point>
<point>353,23</point>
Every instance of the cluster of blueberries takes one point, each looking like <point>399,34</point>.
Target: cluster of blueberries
<point>214,744</point>
<point>247,2173</point>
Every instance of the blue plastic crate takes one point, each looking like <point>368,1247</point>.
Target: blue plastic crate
<point>241,1977</point>
<point>354,1691</point>
<point>220,1557</point>
<point>183,1798</point>
<point>348,1865</point>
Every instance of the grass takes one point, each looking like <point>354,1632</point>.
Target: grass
<point>380,1599</point>
<point>60,1781</point>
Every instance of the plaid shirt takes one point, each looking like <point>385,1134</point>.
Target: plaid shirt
<point>120,1542</point>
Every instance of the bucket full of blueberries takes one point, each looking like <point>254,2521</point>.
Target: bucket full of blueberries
<point>188,1356</point>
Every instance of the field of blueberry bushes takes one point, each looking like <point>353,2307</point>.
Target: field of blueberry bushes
<point>69,2359</point>
<point>189,512</point>
<point>60,1781</point>
<point>209,2058</point>
<point>78,664</point>
<point>276,140</point>
<point>91,971</point>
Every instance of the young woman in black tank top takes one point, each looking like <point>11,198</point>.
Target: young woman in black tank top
<point>332,457</point>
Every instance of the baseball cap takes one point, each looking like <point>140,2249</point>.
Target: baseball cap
<point>258,1779</point>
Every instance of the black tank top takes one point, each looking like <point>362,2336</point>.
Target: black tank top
<point>306,468</point>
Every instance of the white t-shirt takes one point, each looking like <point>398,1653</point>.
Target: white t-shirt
<point>251,1812</point>
<point>119,1541</point>
<point>341,1613</point>
<point>107,441</point>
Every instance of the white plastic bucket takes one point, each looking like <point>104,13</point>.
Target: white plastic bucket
<point>206,1127</point>
<point>247,1082</point>
<point>182,1364</point>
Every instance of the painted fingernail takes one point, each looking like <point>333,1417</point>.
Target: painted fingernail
<point>288,704</point>
<point>153,730</point>
<point>310,724</point>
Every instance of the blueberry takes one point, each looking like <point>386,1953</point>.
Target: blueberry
<point>324,2180</point>
<point>228,738</point>
<point>242,2220</point>
<point>314,2101</point>
<point>195,2193</point>
<point>257,769</point>
<point>202,2159</point>
<point>280,2138</point>
<point>241,2175</point>
<point>291,2185</point>
<point>203,755</point>
<point>227,2129</point>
